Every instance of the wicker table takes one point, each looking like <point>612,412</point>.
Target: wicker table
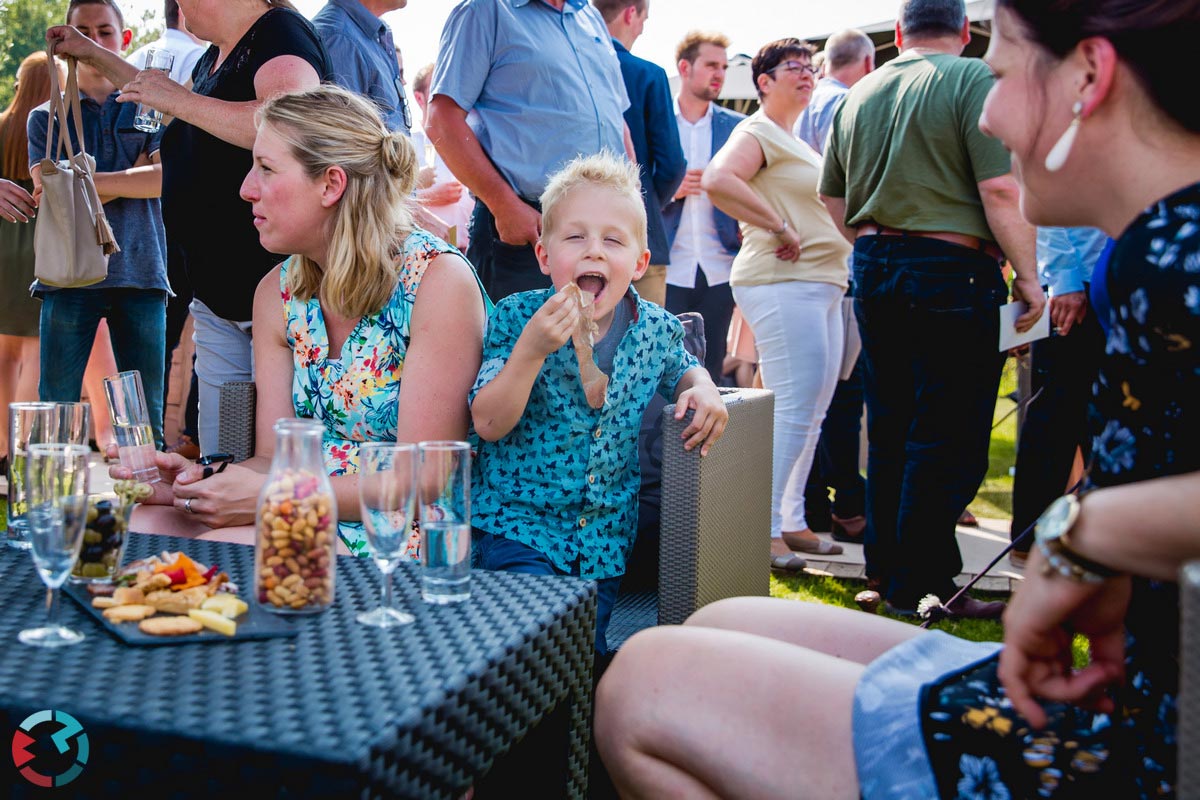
<point>341,710</point>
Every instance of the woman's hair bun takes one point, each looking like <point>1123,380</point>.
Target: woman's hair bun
<point>399,158</point>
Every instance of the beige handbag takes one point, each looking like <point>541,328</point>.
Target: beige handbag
<point>72,241</point>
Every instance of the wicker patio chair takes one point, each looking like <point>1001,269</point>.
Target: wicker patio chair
<point>1188,785</point>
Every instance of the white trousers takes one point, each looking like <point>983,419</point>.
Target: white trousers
<point>797,328</point>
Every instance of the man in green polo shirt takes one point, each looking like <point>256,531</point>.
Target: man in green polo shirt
<point>931,208</point>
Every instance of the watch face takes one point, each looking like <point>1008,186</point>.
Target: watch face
<point>1055,519</point>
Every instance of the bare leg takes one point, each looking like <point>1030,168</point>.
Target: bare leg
<point>101,364</point>
<point>841,632</point>
<point>698,712</point>
<point>18,377</point>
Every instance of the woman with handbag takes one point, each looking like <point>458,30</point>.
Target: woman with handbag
<point>788,278</point>
<point>1091,99</point>
<point>18,311</point>
<point>259,48</point>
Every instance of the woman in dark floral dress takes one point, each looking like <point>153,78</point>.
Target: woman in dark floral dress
<point>1093,99</point>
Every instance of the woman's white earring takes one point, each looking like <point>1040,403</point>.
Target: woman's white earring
<point>1056,159</point>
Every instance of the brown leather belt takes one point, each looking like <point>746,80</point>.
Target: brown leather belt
<point>960,239</point>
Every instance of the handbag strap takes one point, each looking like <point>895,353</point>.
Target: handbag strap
<point>59,110</point>
<point>76,103</point>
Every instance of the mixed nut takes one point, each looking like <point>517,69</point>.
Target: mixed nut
<point>297,534</point>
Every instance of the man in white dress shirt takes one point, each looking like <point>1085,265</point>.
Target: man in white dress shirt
<point>176,38</point>
<point>703,240</point>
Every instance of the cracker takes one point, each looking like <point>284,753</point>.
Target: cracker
<point>129,613</point>
<point>595,382</point>
<point>170,626</point>
<point>104,602</point>
<point>129,595</point>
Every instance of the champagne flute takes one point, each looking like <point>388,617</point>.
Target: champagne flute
<point>386,492</point>
<point>57,486</point>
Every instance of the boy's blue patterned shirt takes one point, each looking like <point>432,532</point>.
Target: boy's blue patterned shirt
<point>565,480</point>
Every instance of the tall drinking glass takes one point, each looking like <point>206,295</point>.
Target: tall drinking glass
<point>386,492</point>
<point>28,423</point>
<point>57,485</point>
<point>131,424</point>
<point>445,488</point>
<point>146,118</point>
<point>74,422</point>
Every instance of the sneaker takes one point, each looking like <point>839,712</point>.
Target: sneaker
<point>185,446</point>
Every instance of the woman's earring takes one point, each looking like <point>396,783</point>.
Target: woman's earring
<point>1056,159</point>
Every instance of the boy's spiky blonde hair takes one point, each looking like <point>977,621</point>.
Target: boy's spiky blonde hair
<point>603,169</point>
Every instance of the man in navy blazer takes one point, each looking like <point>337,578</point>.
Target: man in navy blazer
<point>703,240</point>
<point>651,121</point>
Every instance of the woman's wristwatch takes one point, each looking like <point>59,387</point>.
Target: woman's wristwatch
<point>1052,536</point>
<point>782,229</point>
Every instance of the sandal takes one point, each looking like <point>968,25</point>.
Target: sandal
<point>818,547</point>
<point>789,562</point>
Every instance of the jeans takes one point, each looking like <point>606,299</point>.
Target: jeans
<point>1064,368</point>
<point>836,463</point>
<point>715,304</point>
<point>927,311</point>
<point>223,354</point>
<point>492,552</point>
<point>504,268</point>
<point>798,330</point>
<point>137,324</point>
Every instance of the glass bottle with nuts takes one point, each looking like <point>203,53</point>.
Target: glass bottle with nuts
<point>295,542</point>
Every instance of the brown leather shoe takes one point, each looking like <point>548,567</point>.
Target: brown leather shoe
<point>185,446</point>
<point>848,529</point>
<point>967,607</point>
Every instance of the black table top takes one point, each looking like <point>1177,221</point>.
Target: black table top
<point>417,711</point>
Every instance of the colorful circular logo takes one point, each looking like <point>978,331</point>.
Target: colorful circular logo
<point>41,764</point>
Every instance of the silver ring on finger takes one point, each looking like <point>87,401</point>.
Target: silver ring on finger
<point>187,505</point>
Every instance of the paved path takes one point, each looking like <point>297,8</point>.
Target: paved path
<point>978,546</point>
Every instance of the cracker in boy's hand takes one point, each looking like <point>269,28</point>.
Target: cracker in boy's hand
<point>595,382</point>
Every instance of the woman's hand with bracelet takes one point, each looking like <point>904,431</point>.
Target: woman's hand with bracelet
<point>789,243</point>
<point>1039,625</point>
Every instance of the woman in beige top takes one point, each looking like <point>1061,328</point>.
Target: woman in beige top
<point>789,278</point>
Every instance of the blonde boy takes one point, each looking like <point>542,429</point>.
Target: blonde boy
<point>556,482</point>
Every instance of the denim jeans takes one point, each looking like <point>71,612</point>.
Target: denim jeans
<point>137,320</point>
<point>496,553</point>
<point>836,464</point>
<point>1063,369</point>
<point>504,268</point>
<point>928,314</point>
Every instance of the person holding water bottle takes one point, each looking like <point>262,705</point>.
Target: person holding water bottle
<point>129,179</point>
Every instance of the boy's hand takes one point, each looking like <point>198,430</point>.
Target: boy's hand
<point>710,419</point>
<point>551,327</point>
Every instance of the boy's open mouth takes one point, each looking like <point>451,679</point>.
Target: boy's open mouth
<point>592,282</point>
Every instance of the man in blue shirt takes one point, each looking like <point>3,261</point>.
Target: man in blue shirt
<point>651,121</point>
<point>363,54</point>
<point>849,57</point>
<point>129,180</point>
<point>1063,368</point>
<point>542,85</point>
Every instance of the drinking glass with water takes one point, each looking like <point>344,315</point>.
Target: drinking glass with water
<point>148,119</point>
<point>28,424</point>
<point>131,424</point>
<point>445,493</point>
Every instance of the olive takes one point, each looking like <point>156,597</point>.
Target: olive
<point>92,552</point>
<point>93,571</point>
<point>92,514</point>
<point>105,523</point>
<point>113,540</point>
<point>92,537</point>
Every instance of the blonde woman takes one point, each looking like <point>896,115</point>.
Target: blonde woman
<point>366,299</point>
<point>259,48</point>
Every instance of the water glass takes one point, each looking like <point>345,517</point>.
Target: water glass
<point>57,486</point>
<point>28,423</point>
<point>445,488</point>
<point>73,422</point>
<point>148,119</point>
<point>131,424</point>
<point>387,479</point>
